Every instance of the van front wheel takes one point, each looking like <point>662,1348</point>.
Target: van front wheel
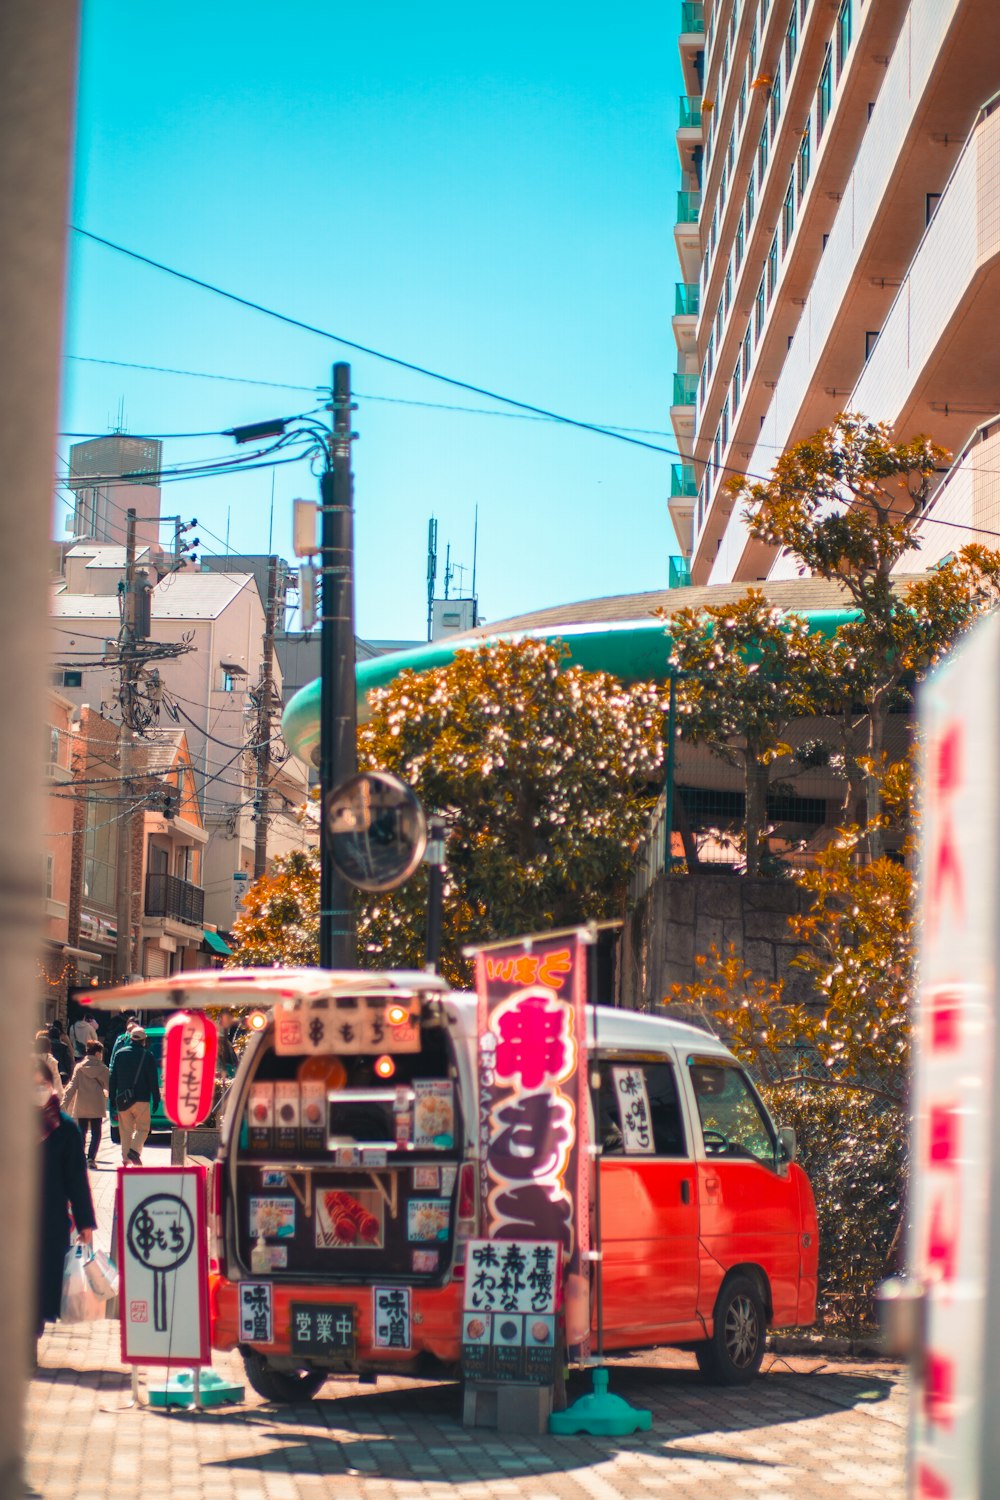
<point>284,1387</point>
<point>733,1355</point>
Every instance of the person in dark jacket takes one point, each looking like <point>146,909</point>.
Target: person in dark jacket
<point>134,1075</point>
<point>61,1051</point>
<point>65,1189</point>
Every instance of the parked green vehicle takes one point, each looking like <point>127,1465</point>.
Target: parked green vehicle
<point>159,1120</point>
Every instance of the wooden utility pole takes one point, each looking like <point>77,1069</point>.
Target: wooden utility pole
<point>265,709</point>
<point>126,683</point>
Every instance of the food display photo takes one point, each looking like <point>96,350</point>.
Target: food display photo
<point>350,1221</point>
<point>433,1114</point>
<point>427,1219</point>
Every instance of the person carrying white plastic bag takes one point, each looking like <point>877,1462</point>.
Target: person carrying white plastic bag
<point>79,1303</point>
<point>65,1186</point>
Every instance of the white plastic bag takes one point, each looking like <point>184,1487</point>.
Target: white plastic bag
<point>80,1303</point>
<point>102,1274</point>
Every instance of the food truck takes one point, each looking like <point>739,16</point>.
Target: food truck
<point>348,1185</point>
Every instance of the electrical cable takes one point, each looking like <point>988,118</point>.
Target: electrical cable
<point>125,364</point>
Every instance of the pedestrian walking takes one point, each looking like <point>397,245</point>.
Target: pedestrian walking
<point>43,1050</point>
<point>64,1190</point>
<point>86,1098</point>
<point>121,1039</point>
<point>135,1090</point>
<point>81,1032</point>
<point>61,1051</point>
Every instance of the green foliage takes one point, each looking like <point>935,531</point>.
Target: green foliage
<point>747,669</point>
<point>543,774</point>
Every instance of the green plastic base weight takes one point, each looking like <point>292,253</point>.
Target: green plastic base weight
<point>601,1414</point>
<point>178,1389</point>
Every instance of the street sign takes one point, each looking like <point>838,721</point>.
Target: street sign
<point>162,1260</point>
<point>376,831</point>
<point>954,1238</point>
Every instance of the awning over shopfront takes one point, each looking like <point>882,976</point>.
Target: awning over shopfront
<point>216,943</point>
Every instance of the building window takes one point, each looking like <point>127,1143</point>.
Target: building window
<point>72,679</point>
<point>728,297</point>
<point>717,453</point>
<point>775,102</point>
<point>759,305</point>
<point>725,422</point>
<point>844,18</point>
<point>804,153</point>
<point>772,268</point>
<point>931,201</point>
<point>54,746</point>
<point>739,242</point>
<point>747,353</point>
<point>100,854</point>
<point>803,7</point>
<point>722,192</point>
<point>725,62</point>
<point>715,229</point>
<point>762,154</point>
<point>736,388</point>
<point>704,271</point>
<point>709,355</point>
<point>50,881</point>
<point>788,215</point>
<point>718,324</point>
<point>791,42</point>
<point>871,339</point>
<point>731,153</point>
<point>750,203</point>
<point>752,56</point>
<point>743,99</point>
<point>824,94</point>
<point>701,388</point>
<point>763,13</point>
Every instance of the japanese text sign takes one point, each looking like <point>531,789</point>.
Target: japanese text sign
<point>954,1443</point>
<point>347,1026</point>
<point>190,1048</point>
<point>533,1104</point>
<point>163,1262</point>
<point>508,1322</point>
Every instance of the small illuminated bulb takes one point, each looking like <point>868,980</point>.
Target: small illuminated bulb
<point>384,1066</point>
<point>256,1020</point>
<point>397,1015</point>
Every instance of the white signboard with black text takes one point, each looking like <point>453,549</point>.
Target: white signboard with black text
<point>954,1231</point>
<point>163,1264</point>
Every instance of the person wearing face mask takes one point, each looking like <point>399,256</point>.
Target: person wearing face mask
<point>65,1190</point>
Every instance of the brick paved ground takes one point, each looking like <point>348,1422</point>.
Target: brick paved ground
<point>810,1428</point>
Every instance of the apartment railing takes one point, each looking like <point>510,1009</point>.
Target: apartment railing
<point>689,113</point>
<point>687,298</point>
<point>682,480</point>
<point>685,390</point>
<point>693,16</point>
<point>679,575</point>
<point>688,206</point>
<point>169,896</point>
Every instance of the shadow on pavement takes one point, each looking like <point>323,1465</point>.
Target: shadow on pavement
<point>376,1433</point>
<point>98,1380</point>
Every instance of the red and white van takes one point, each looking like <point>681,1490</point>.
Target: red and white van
<point>347,1181</point>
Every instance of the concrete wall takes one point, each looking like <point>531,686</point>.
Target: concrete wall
<point>681,916</point>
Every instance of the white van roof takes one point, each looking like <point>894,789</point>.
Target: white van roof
<point>629,1029</point>
<point>201,989</point>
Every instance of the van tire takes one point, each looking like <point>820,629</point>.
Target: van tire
<point>284,1387</point>
<point>733,1355</point>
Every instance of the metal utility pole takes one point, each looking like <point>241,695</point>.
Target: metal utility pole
<point>265,706</point>
<point>434,856</point>
<point>127,667</point>
<point>338,707</point>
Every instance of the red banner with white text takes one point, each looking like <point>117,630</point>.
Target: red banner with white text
<point>533,1104</point>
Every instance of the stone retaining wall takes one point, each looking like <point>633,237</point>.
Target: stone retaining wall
<point>681,916</point>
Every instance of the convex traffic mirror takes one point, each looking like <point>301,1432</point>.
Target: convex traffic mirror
<point>375,829</point>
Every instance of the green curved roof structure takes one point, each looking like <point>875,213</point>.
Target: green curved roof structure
<point>636,650</point>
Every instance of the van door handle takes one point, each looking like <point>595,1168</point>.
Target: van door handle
<point>685,1190</point>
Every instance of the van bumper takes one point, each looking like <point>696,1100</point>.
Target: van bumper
<point>435,1323</point>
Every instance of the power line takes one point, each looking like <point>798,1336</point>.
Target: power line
<point>124,364</point>
<point>391,359</point>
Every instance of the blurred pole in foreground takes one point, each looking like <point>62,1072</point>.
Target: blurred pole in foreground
<point>37,89</point>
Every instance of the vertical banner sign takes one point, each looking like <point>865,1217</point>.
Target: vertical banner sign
<point>163,1266</point>
<point>190,1048</point>
<point>533,1104</point>
<point>954,1445</point>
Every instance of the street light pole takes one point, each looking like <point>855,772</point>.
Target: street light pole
<point>338,706</point>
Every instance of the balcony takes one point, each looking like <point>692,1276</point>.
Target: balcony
<point>689,114</point>
<point>686,299</point>
<point>685,390</point>
<point>682,481</point>
<point>169,896</point>
<point>692,18</point>
<point>688,206</point>
<point>679,576</point>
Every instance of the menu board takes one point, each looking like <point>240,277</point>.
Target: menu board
<point>347,1026</point>
<point>509,1317</point>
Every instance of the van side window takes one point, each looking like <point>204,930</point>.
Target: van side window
<point>732,1121</point>
<point>639,1110</point>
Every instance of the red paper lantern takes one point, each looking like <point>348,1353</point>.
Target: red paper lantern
<point>190,1048</point>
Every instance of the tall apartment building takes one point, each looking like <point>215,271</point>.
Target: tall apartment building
<point>838,233</point>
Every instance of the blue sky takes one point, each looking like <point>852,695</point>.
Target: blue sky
<point>487,192</point>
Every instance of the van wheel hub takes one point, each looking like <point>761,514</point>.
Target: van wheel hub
<point>740,1331</point>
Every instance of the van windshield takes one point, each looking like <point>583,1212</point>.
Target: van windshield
<point>733,1122</point>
